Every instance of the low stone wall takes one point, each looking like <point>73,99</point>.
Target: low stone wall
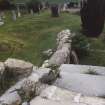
<point>35,85</point>
<point>62,53</point>
<point>26,89</point>
<point>32,89</point>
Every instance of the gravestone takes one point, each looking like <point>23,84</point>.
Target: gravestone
<point>19,13</point>
<point>14,15</point>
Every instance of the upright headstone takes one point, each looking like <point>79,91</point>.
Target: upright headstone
<point>32,12</point>
<point>14,15</point>
<point>18,10</point>
<point>55,10</point>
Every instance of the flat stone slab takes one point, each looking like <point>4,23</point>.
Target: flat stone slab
<point>73,78</point>
<point>56,96</point>
<point>82,69</point>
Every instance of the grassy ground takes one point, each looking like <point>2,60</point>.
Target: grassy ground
<point>30,35</point>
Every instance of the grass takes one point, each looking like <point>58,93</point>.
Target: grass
<point>29,36</point>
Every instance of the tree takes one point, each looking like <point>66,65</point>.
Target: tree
<point>55,10</point>
<point>6,5</point>
<point>34,5</point>
<point>92,17</point>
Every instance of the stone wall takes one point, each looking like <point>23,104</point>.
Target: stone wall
<point>63,50</point>
<point>58,84</point>
<point>70,88</point>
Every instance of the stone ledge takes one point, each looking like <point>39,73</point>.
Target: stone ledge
<point>55,96</point>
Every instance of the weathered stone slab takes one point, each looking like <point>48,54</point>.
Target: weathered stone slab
<point>88,80</point>
<point>55,96</point>
<point>18,68</point>
<point>92,85</point>
<point>82,69</point>
<point>61,56</point>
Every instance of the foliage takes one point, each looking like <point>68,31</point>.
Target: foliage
<point>35,5</point>
<point>30,35</point>
<point>6,5</point>
<point>80,45</point>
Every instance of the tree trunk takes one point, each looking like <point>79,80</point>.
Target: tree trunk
<point>92,17</point>
<point>55,10</point>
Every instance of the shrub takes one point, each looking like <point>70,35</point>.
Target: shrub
<point>6,5</point>
<point>80,44</point>
<point>35,5</point>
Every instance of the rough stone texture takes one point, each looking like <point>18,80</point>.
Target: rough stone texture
<point>24,89</point>
<point>10,99</point>
<point>42,71</point>
<point>62,54</point>
<point>63,37</point>
<point>18,68</point>
<point>56,96</point>
<point>73,79</point>
<point>11,96</point>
